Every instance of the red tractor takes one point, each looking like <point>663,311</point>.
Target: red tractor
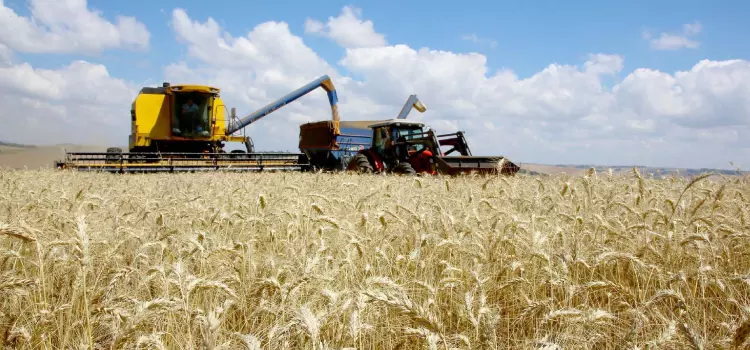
<point>405,147</point>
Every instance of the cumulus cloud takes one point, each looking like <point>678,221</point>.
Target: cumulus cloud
<point>676,41</point>
<point>68,26</point>
<point>6,55</point>
<point>77,103</point>
<point>348,30</point>
<point>565,113</point>
<point>270,50</point>
<point>252,70</point>
<point>473,37</point>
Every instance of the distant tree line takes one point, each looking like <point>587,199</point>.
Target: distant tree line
<point>11,144</point>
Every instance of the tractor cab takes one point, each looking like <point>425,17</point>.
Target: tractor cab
<point>391,139</point>
<point>408,147</point>
<point>403,142</point>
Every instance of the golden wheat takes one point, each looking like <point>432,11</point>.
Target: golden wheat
<point>344,261</point>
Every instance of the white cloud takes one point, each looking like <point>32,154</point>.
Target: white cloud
<point>473,37</point>
<point>692,28</point>
<point>6,55</point>
<point>68,26</point>
<point>674,41</point>
<point>348,30</point>
<point>564,113</point>
<point>78,103</point>
<point>268,48</point>
<point>253,70</point>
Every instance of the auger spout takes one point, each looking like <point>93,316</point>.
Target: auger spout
<point>412,102</point>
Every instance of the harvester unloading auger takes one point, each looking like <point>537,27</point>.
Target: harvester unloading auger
<point>178,128</point>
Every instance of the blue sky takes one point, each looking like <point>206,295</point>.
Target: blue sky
<point>529,35</point>
<point>625,100</point>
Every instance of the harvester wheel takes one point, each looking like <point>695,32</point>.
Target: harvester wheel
<point>236,153</point>
<point>360,164</point>
<point>404,168</point>
<point>113,155</point>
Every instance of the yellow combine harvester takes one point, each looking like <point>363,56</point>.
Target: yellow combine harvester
<point>185,127</point>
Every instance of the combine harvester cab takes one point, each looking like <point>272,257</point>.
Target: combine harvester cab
<point>178,128</point>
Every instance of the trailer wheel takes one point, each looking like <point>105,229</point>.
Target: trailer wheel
<point>360,164</point>
<point>404,168</point>
<point>113,155</point>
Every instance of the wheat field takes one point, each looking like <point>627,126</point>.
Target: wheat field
<point>344,261</point>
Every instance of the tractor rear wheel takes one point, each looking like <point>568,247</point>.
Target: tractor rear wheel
<point>360,164</point>
<point>404,168</point>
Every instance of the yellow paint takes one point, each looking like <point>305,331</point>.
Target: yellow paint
<point>192,162</point>
<point>154,117</point>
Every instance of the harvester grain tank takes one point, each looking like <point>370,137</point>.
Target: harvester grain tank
<point>185,128</point>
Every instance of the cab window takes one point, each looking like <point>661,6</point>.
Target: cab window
<point>409,134</point>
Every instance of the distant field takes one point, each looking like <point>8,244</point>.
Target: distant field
<point>320,261</point>
<point>551,169</point>
<point>663,171</point>
<point>44,157</point>
<point>10,149</point>
<point>39,157</point>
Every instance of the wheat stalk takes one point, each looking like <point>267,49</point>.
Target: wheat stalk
<point>342,261</point>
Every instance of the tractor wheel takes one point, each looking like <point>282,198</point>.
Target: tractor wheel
<point>113,155</point>
<point>404,168</point>
<point>360,164</point>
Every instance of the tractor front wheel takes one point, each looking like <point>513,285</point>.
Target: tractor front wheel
<point>404,168</point>
<point>360,164</point>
